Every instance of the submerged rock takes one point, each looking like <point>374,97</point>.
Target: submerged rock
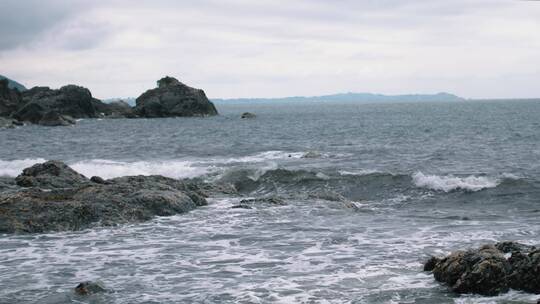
<point>261,201</point>
<point>173,99</point>
<point>312,154</point>
<point>248,115</point>
<point>489,270</point>
<point>89,287</point>
<point>54,197</point>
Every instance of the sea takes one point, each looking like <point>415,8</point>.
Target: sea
<point>370,192</point>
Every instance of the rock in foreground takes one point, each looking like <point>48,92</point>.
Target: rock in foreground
<point>173,99</point>
<point>489,270</point>
<point>53,197</point>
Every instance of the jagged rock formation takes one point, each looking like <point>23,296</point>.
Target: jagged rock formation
<point>53,197</point>
<point>10,99</point>
<point>50,107</point>
<point>489,270</point>
<point>173,99</point>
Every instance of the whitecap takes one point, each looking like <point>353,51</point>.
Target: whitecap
<point>112,169</point>
<point>452,183</point>
<point>14,167</point>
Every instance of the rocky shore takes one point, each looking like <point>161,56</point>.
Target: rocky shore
<point>60,107</point>
<point>51,196</point>
<point>490,269</point>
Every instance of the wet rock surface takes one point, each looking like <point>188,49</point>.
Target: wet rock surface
<point>247,115</point>
<point>89,287</point>
<point>173,99</point>
<point>53,197</point>
<point>262,201</point>
<point>490,269</point>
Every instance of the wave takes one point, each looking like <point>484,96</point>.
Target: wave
<point>261,157</point>
<point>14,167</point>
<point>452,183</point>
<point>111,169</point>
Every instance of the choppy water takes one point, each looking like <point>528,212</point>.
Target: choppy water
<point>392,184</point>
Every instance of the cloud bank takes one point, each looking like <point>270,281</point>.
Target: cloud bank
<point>241,48</point>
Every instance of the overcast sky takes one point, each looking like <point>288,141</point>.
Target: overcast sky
<point>263,48</point>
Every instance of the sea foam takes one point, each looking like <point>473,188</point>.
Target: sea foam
<point>112,169</point>
<point>14,167</point>
<point>452,183</point>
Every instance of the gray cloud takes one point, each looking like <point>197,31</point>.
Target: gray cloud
<point>22,22</point>
<point>238,48</point>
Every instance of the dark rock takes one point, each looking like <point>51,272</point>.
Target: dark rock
<point>525,271</point>
<point>56,198</point>
<point>488,271</point>
<point>119,109</point>
<point>48,175</point>
<point>431,263</point>
<point>114,109</point>
<point>53,119</point>
<point>241,207</point>
<point>248,115</point>
<point>262,201</point>
<point>173,99</point>
<point>10,99</point>
<point>88,288</point>
<point>71,100</point>
<point>98,180</point>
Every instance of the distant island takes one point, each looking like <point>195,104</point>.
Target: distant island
<point>351,97</point>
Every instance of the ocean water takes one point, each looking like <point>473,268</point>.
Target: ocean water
<point>388,185</point>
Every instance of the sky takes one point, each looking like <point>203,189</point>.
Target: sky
<point>263,48</point>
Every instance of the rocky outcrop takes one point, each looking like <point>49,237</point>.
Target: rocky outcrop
<point>53,197</point>
<point>247,115</point>
<point>173,99</point>
<point>489,270</point>
<point>68,101</point>
<point>10,99</point>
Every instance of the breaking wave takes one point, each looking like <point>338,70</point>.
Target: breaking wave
<point>452,183</point>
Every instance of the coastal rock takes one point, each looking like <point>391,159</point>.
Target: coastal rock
<point>53,119</point>
<point>7,123</point>
<point>68,101</point>
<point>10,99</point>
<point>120,109</point>
<point>89,287</point>
<point>49,175</point>
<point>57,198</point>
<point>173,99</point>
<point>489,270</point>
<point>248,115</point>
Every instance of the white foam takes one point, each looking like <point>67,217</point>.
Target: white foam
<point>262,157</point>
<point>359,172</point>
<point>111,169</point>
<point>451,183</point>
<point>15,167</point>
